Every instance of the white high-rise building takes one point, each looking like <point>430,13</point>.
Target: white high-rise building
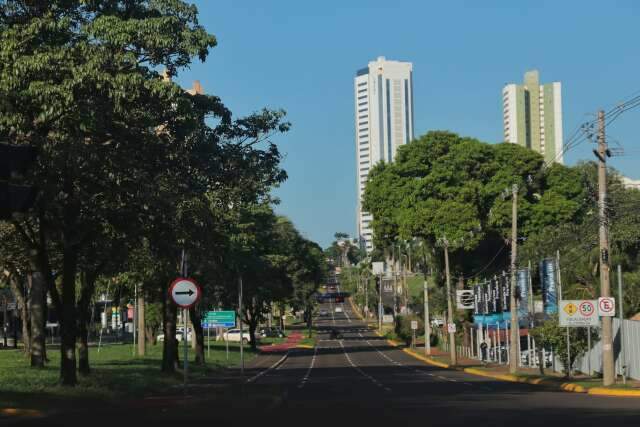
<point>532,115</point>
<point>383,94</point>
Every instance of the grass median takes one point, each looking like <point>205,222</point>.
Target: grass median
<point>116,374</point>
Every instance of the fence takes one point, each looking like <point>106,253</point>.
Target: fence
<point>592,361</point>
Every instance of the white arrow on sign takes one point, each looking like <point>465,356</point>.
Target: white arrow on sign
<point>184,292</point>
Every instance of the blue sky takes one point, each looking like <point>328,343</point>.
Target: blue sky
<point>302,56</point>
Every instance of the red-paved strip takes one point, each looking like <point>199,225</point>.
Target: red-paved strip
<point>292,341</point>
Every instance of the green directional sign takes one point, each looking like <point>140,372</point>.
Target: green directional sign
<point>220,319</point>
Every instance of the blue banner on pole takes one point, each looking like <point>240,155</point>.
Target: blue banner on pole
<point>548,278</point>
<point>522,282</point>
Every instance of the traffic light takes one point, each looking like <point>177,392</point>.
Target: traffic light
<point>15,160</point>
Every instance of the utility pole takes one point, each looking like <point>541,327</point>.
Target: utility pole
<point>515,327</point>
<point>240,324</point>
<point>427,326</point>
<point>623,356</point>
<point>608,374</point>
<point>380,309</point>
<point>452,335</point>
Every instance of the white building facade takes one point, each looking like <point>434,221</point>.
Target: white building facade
<point>383,94</point>
<point>532,116</point>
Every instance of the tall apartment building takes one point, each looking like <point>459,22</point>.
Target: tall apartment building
<point>532,114</point>
<point>383,94</point>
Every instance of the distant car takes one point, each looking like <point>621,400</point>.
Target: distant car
<point>271,333</point>
<point>324,313</point>
<point>437,323</point>
<point>179,335</point>
<point>233,335</point>
<point>338,309</point>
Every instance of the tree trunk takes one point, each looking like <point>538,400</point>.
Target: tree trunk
<point>38,320</point>
<point>68,319</point>
<point>83,347</point>
<point>26,329</point>
<point>87,283</point>
<point>309,315</point>
<point>198,334</point>
<point>150,335</point>
<point>5,322</point>
<point>141,324</point>
<point>252,334</point>
<point>170,344</point>
<point>21,294</point>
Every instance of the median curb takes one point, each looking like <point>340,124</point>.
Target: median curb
<point>305,346</point>
<point>20,413</point>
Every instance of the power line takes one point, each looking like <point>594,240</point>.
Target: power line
<point>487,265</point>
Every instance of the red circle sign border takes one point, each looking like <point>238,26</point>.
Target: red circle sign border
<point>604,309</point>
<point>593,309</point>
<point>180,279</point>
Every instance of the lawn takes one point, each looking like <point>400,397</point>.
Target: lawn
<point>116,373</point>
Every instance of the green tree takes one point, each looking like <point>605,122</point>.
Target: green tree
<point>551,336</point>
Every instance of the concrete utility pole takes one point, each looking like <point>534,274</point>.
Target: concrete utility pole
<point>623,355</point>
<point>452,335</point>
<point>608,374</point>
<point>141,324</point>
<point>380,308</point>
<point>427,326</point>
<point>515,327</point>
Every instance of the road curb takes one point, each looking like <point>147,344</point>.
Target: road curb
<point>355,310</point>
<point>568,387</point>
<point>21,413</point>
<point>305,346</point>
<point>426,359</point>
<point>601,391</point>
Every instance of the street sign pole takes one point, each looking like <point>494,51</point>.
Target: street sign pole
<point>186,348</point>
<point>184,330</point>
<point>240,323</point>
<point>185,293</point>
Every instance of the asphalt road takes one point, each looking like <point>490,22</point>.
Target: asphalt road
<point>360,380</point>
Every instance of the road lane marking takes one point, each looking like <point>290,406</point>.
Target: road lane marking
<point>275,365</point>
<point>360,371</point>
<point>381,353</point>
<point>346,314</point>
<point>306,376</point>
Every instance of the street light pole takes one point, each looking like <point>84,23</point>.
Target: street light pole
<point>380,309</point>
<point>515,327</point>
<point>452,334</point>
<point>427,326</point>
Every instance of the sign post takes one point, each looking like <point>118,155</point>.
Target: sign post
<point>185,293</point>
<point>414,327</point>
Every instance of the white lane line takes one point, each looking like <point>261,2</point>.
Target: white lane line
<point>306,376</point>
<point>381,353</point>
<point>360,371</point>
<point>468,384</point>
<point>346,314</point>
<point>275,365</point>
